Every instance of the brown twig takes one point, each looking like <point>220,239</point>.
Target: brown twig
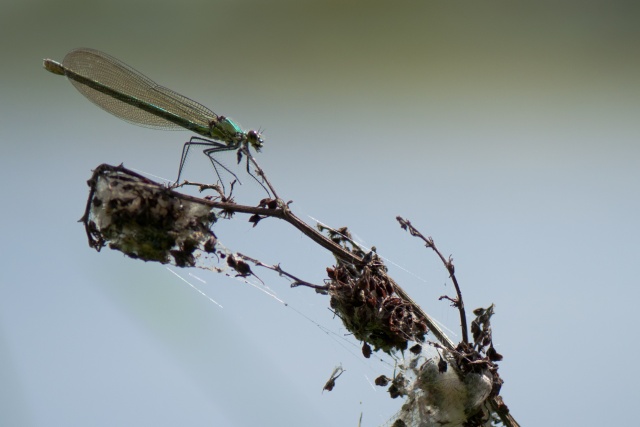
<point>296,281</point>
<point>448,263</point>
<point>496,402</point>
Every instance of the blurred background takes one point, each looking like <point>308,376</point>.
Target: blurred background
<point>507,131</point>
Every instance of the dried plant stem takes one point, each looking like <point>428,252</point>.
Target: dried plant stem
<point>276,208</point>
<point>448,263</point>
<point>496,402</point>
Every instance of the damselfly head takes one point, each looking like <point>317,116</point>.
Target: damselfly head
<point>255,139</point>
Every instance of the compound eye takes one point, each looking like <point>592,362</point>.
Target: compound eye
<point>254,139</point>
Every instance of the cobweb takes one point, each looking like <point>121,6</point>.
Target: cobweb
<point>435,393</point>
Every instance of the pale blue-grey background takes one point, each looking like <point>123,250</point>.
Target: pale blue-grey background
<point>507,131</point>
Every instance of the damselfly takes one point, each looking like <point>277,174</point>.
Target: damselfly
<point>128,94</point>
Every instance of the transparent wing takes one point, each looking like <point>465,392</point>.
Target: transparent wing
<point>113,73</point>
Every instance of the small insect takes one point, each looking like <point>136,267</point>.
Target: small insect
<point>331,383</point>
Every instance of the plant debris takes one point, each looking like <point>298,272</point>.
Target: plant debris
<point>145,220</point>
